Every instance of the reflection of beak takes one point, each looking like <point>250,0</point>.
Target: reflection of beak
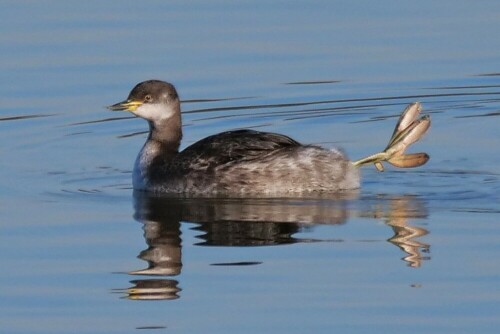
<point>128,105</point>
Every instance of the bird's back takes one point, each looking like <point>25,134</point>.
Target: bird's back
<point>246,162</point>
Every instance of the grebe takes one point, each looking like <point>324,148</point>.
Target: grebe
<point>246,162</point>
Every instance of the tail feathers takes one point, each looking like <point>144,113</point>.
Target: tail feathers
<point>408,130</point>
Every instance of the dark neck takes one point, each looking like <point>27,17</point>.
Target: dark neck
<point>168,133</point>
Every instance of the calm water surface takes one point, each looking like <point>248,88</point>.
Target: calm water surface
<point>412,251</point>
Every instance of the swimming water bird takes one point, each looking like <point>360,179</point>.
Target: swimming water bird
<point>247,162</point>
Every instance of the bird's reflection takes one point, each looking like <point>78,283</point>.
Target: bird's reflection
<point>153,289</point>
<point>405,235</point>
<point>255,222</point>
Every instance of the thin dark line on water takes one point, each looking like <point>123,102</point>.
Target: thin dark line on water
<point>465,104</point>
<point>277,114</point>
<point>477,210</point>
<point>133,134</point>
<point>78,133</point>
<point>22,117</point>
<point>109,119</point>
<point>487,75</point>
<point>242,263</point>
<point>219,100</point>
<point>326,114</point>
<point>373,119</point>
<point>257,126</point>
<point>151,327</point>
<point>90,191</point>
<point>496,113</point>
<point>448,172</point>
<point>323,112</point>
<point>304,111</point>
<point>312,82</point>
<point>463,87</point>
<point>281,105</point>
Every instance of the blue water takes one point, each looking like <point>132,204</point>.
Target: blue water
<point>413,251</point>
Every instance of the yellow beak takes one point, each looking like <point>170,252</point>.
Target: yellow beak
<point>128,105</point>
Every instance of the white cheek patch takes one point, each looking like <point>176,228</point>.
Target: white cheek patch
<point>154,112</point>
